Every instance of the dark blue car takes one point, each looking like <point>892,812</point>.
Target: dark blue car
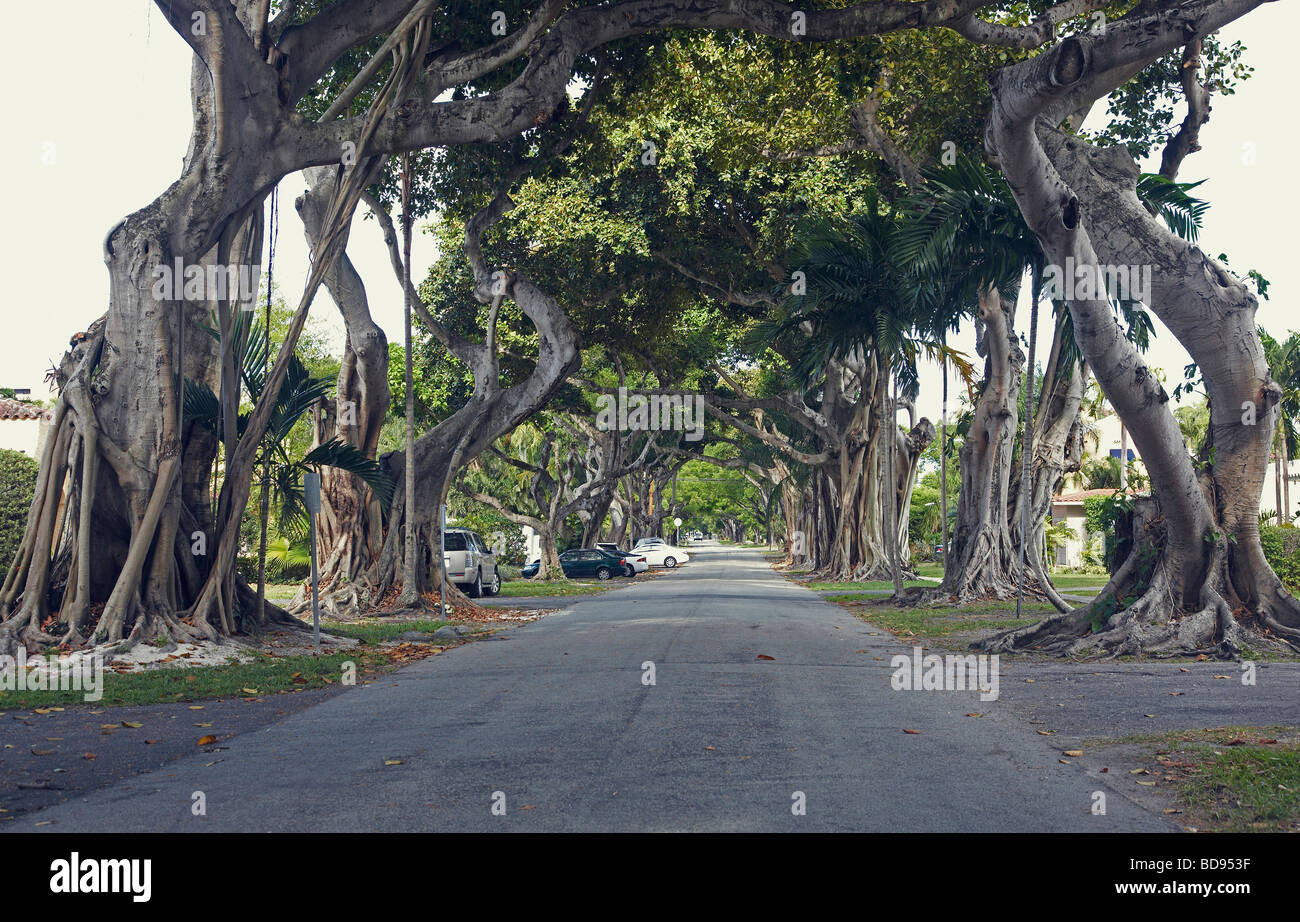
<point>586,562</point>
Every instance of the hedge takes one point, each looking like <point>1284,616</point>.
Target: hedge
<point>17,487</point>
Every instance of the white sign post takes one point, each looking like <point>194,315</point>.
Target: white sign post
<point>677,524</point>
<point>311,497</point>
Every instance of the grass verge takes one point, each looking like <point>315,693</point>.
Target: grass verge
<point>264,675</point>
<point>261,676</point>
<point>941,621</point>
<point>1226,779</point>
<point>536,589</point>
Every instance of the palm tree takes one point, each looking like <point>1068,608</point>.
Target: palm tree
<point>299,393</point>
<point>1284,365</point>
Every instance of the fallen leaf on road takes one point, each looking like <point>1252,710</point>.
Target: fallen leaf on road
<point>90,755</point>
<point>1044,732</point>
<point>1030,681</point>
<point>1139,771</point>
<point>250,691</point>
<point>42,752</point>
<point>207,740</point>
<point>528,807</point>
<point>973,714</point>
<point>711,747</point>
<point>1065,761</point>
<point>204,724</point>
<point>132,724</point>
<point>1147,784</point>
<point>392,761</point>
<point>765,656</point>
<point>1148,715</point>
<point>1074,753</point>
<point>914,732</point>
<point>196,707</point>
<point>1182,669</point>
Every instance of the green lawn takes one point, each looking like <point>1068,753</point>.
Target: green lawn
<point>1246,788</point>
<point>940,621</point>
<point>533,588</point>
<point>1227,779</point>
<point>265,675</point>
<point>280,593</point>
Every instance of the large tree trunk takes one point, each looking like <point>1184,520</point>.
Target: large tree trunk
<point>1058,450</point>
<point>983,558</point>
<point>122,523</point>
<point>1195,577</point>
<point>350,521</point>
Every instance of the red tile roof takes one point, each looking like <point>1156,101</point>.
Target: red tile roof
<point>18,409</point>
<point>1080,496</point>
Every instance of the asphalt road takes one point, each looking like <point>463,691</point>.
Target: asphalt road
<point>551,722</point>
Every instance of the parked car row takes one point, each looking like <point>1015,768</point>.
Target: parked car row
<point>590,563</point>
<point>472,565</point>
<point>607,560</point>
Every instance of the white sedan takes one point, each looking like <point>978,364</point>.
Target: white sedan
<point>638,562</point>
<point>660,554</point>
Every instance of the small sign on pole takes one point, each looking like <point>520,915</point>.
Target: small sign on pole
<point>311,497</point>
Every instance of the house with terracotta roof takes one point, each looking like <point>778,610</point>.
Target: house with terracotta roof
<point>1068,508</point>
<point>23,426</point>
<point>1104,437</point>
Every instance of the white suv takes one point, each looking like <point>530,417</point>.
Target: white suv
<point>470,563</point>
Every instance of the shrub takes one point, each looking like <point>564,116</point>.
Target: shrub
<point>17,487</point>
<point>1282,548</point>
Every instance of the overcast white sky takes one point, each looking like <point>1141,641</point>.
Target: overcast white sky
<point>90,143</point>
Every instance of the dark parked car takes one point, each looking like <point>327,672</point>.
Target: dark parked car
<point>582,563</point>
<point>632,563</point>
